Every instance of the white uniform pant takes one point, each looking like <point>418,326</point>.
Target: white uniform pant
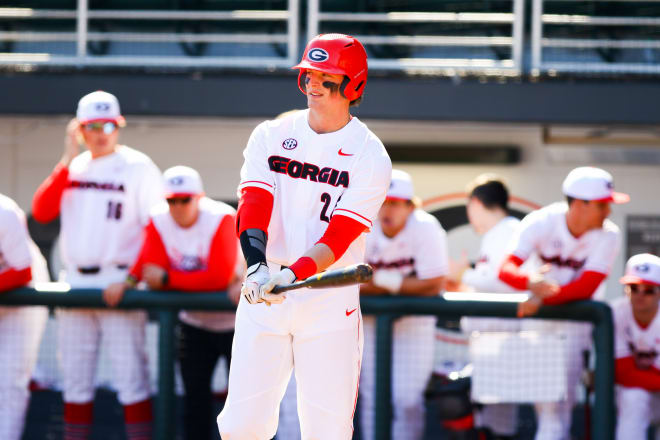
<point>554,418</point>
<point>79,336</point>
<point>20,333</point>
<point>318,331</point>
<point>637,409</point>
<point>80,333</point>
<point>413,340</point>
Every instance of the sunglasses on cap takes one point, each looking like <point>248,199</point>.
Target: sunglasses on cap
<point>108,127</point>
<point>641,288</point>
<point>176,200</point>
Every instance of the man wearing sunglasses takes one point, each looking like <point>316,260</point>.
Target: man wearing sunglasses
<point>637,348</point>
<point>311,185</point>
<point>577,244</point>
<point>103,197</point>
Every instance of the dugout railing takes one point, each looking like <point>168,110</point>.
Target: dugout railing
<point>165,306</point>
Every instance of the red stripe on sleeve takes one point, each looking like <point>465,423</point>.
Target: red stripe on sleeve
<point>582,288</point>
<point>153,251</point>
<point>48,197</point>
<point>12,278</point>
<point>510,273</point>
<point>628,375</point>
<point>221,263</point>
<point>341,232</point>
<point>254,209</point>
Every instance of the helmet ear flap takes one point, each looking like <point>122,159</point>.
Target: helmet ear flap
<point>302,77</point>
<point>343,86</point>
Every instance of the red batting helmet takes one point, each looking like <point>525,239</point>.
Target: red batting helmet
<point>339,54</point>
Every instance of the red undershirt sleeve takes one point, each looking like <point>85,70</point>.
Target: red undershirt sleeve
<point>47,198</point>
<point>582,288</point>
<point>153,251</point>
<point>341,232</point>
<point>12,278</point>
<point>221,263</point>
<point>254,209</point>
<point>510,273</point>
<point>628,375</point>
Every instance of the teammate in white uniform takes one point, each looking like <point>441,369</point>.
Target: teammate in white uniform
<point>104,196</point>
<point>407,249</point>
<point>637,345</point>
<point>311,184</point>
<point>191,245</point>
<point>578,245</point>
<point>487,211</point>
<point>20,327</point>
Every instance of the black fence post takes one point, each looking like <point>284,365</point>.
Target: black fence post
<point>604,420</point>
<point>165,414</point>
<point>383,415</point>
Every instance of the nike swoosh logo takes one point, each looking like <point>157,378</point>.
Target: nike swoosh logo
<point>349,313</point>
<point>341,153</point>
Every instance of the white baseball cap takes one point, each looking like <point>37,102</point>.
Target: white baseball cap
<point>589,183</point>
<point>642,268</point>
<point>99,106</point>
<point>182,181</point>
<point>401,186</point>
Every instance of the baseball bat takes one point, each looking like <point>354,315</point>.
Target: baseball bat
<point>357,273</point>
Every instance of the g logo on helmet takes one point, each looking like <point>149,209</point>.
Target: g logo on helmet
<point>318,55</point>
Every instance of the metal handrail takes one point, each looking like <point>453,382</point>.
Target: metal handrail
<point>540,41</point>
<point>387,309</point>
<point>483,65</point>
<point>82,36</point>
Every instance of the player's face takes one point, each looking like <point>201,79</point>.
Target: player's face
<point>323,89</point>
<point>595,213</point>
<point>643,297</point>
<point>475,211</point>
<point>100,137</point>
<point>184,209</point>
<point>393,215</point>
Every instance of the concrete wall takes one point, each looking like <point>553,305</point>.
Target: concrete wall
<point>30,147</point>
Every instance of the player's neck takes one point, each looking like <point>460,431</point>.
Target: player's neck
<point>574,224</point>
<point>102,152</point>
<point>492,218</point>
<point>329,120</point>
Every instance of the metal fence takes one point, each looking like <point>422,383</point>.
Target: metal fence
<point>167,304</point>
<point>605,36</point>
<point>455,38</point>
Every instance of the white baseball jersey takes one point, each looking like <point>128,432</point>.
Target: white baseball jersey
<point>105,207</point>
<point>419,249</point>
<point>631,340</point>
<point>188,250</point>
<point>544,232</point>
<point>313,176</point>
<point>14,238</point>
<point>494,244</point>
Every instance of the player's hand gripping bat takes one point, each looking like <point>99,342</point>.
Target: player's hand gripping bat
<point>357,273</point>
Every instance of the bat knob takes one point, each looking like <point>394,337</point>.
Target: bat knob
<point>363,273</point>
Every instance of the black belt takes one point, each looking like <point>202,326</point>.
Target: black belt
<point>93,270</point>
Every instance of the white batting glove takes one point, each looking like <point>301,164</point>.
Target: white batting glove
<point>255,277</point>
<point>285,276</point>
<point>389,280</point>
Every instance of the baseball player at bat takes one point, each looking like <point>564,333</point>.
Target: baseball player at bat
<point>578,245</point>
<point>20,327</point>
<point>103,197</point>
<point>311,185</point>
<point>636,348</point>
<point>408,252</point>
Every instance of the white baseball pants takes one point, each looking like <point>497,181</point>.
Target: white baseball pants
<point>637,409</point>
<point>318,331</point>
<point>20,333</point>
<point>413,340</point>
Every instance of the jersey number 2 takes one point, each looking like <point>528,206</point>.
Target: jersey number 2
<point>326,199</point>
<point>114,210</point>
